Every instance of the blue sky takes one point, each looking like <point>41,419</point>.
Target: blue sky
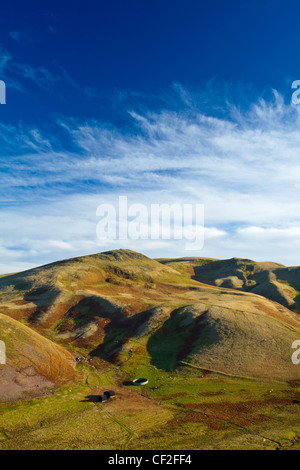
<point>162,101</point>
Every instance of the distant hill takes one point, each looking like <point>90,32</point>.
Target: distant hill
<point>272,280</point>
<point>192,312</point>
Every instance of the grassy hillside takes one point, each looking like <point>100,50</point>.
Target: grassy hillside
<point>33,364</point>
<point>183,409</point>
<point>218,359</point>
<point>112,305</point>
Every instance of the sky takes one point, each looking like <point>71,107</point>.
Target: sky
<point>164,102</point>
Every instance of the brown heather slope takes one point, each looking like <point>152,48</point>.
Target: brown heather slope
<point>34,363</point>
<point>121,305</point>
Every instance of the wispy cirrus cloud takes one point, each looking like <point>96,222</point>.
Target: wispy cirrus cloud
<point>19,35</point>
<point>18,74</point>
<point>242,165</point>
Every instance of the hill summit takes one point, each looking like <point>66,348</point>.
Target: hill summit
<point>119,305</point>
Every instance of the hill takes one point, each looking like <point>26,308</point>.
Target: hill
<point>122,307</point>
<point>272,280</point>
<point>34,363</point>
<point>217,359</point>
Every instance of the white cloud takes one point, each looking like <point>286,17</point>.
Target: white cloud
<point>212,232</point>
<point>243,167</point>
<point>290,232</point>
<point>60,244</point>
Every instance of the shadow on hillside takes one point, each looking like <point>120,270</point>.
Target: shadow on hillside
<point>93,307</point>
<point>201,275</point>
<point>173,342</point>
<point>44,298</point>
<point>296,305</point>
<point>118,333</point>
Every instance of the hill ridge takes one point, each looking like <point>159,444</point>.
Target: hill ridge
<point>121,306</point>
